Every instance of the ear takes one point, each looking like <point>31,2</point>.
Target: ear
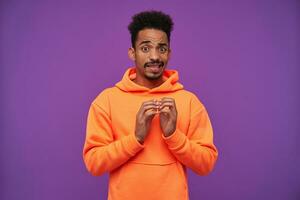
<point>131,53</point>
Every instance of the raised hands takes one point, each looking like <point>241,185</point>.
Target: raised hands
<point>168,116</point>
<point>165,107</point>
<point>144,118</point>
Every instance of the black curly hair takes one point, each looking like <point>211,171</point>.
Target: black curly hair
<point>150,19</point>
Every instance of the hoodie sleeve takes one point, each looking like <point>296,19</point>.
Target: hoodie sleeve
<point>101,153</point>
<point>195,149</point>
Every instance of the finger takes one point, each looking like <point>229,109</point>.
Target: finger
<point>149,107</point>
<point>151,102</point>
<point>166,104</point>
<point>147,103</point>
<point>150,113</point>
<point>170,103</point>
<point>165,110</point>
<point>169,100</point>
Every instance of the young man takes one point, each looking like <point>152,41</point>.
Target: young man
<point>147,129</point>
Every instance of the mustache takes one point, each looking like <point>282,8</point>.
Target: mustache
<point>154,62</point>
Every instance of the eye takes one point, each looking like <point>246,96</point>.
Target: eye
<point>145,48</point>
<point>163,49</point>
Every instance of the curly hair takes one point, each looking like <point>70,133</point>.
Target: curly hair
<point>150,19</point>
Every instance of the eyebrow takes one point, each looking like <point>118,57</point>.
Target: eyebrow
<point>147,42</point>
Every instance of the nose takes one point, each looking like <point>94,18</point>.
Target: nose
<point>154,55</point>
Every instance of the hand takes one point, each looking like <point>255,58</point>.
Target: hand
<point>144,118</point>
<point>168,116</point>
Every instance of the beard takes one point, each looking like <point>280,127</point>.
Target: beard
<point>153,76</point>
<point>154,69</point>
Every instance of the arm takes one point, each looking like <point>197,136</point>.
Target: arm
<point>101,152</point>
<point>195,149</point>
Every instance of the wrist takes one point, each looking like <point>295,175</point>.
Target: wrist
<point>139,139</point>
<point>169,133</point>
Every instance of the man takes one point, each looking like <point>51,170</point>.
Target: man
<point>147,129</point>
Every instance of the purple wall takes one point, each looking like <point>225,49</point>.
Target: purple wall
<point>241,59</point>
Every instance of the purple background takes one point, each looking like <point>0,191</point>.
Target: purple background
<point>241,58</point>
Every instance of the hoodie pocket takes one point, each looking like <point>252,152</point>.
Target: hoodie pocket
<point>144,181</point>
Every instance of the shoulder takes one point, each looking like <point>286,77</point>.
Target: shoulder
<point>191,97</point>
<point>190,100</point>
<point>103,96</point>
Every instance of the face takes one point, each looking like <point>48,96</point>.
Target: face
<point>151,54</point>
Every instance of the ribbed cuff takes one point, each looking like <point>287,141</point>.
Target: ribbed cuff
<point>132,145</point>
<point>175,140</point>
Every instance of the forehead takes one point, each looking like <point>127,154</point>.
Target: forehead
<point>153,35</point>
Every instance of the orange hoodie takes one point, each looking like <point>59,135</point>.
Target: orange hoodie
<point>155,170</point>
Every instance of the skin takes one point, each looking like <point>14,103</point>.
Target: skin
<point>151,49</point>
<point>151,54</point>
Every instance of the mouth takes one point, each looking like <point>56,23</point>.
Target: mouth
<point>154,67</point>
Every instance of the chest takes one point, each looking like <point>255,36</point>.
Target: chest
<point>124,111</point>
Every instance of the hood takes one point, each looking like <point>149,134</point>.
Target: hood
<point>170,83</point>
